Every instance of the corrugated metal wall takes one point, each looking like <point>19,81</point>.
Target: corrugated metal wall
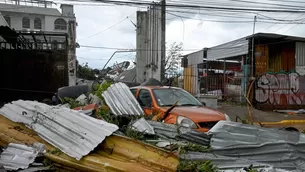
<point>281,57</point>
<point>275,59</point>
<point>191,84</point>
<point>188,79</point>
<point>288,58</point>
<point>300,54</point>
<point>195,58</point>
<point>261,59</point>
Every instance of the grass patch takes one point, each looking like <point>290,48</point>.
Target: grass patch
<point>132,133</point>
<point>196,166</point>
<point>190,147</point>
<point>72,102</point>
<point>56,151</point>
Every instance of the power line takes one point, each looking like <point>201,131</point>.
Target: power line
<point>239,21</point>
<point>291,28</point>
<point>286,25</point>
<point>214,48</point>
<point>120,57</point>
<point>146,3</point>
<point>106,29</point>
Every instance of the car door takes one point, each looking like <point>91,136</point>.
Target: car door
<point>145,101</point>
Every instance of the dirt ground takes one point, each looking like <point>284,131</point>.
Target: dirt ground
<point>234,110</point>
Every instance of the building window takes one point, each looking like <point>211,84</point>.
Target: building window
<point>37,23</point>
<point>60,24</point>
<point>8,20</point>
<point>26,23</point>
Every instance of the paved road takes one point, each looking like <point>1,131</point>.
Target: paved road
<point>234,110</point>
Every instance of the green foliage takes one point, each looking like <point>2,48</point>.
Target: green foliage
<point>193,148</point>
<point>85,72</point>
<point>56,151</point>
<point>105,114</point>
<point>196,166</point>
<point>101,88</point>
<point>48,163</point>
<point>72,102</point>
<point>132,133</point>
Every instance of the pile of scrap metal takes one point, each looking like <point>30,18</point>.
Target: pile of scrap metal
<point>76,141</point>
<point>70,140</point>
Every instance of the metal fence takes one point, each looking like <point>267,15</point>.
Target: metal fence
<point>175,80</point>
<point>224,86</point>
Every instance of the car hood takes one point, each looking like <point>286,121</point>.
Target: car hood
<point>197,113</point>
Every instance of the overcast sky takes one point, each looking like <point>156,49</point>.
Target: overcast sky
<point>193,33</point>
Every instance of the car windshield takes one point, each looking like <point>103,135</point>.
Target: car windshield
<point>168,97</point>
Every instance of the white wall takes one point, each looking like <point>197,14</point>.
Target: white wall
<point>49,24</point>
<point>16,19</point>
<point>46,21</point>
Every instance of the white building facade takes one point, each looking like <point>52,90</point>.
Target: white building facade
<point>29,18</point>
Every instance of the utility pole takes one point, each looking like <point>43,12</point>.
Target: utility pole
<point>163,30</point>
<point>250,117</point>
<point>253,48</point>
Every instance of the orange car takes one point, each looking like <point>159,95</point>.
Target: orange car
<point>177,106</point>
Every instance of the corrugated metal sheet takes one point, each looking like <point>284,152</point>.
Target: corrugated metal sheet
<point>227,134</point>
<point>188,79</point>
<point>300,70</point>
<point>275,58</point>
<point>236,145</point>
<point>18,156</point>
<point>300,53</point>
<point>288,57</point>
<point>169,131</point>
<point>143,126</point>
<point>195,58</point>
<point>231,49</point>
<point>195,81</point>
<point>261,59</point>
<point>115,154</point>
<point>121,101</point>
<point>74,133</point>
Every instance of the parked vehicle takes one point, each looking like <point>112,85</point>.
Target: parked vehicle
<point>177,106</point>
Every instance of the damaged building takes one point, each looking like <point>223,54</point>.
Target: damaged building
<point>37,49</point>
<point>226,71</point>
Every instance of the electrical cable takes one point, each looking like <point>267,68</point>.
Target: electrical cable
<point>286,25</point>
<point>239,21</point>
<point>145,3</point>
<point>105,29</point>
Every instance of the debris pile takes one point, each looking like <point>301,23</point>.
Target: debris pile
<point>72,132</point>
<point>18,156</point>
<point>109,132</point>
